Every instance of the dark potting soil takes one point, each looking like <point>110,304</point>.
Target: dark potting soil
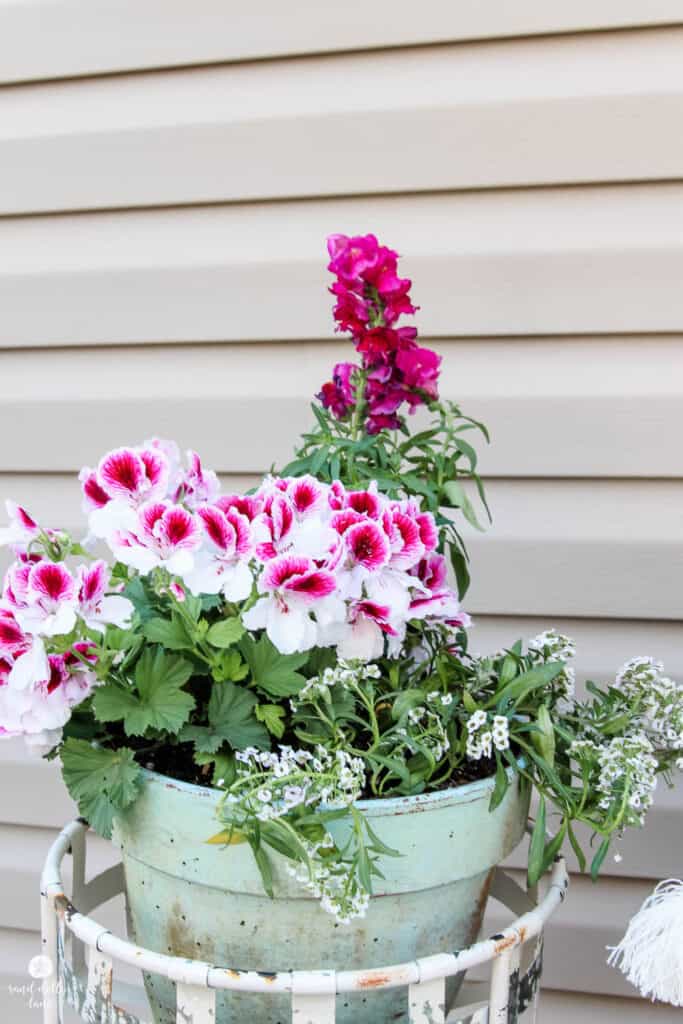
<point>177,763</point>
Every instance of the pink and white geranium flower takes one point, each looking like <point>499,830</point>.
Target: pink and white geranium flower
<point>48,606</point>
<point>164,536</point>
<point>364,634</point>
<point>125,479</point>
<point>96,607</point>
<point>22,527</point>
<point>222,566</point>
<point>292,587</point>
<point>197,485</point>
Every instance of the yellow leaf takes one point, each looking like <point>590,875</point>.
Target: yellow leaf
<point>228,837</point>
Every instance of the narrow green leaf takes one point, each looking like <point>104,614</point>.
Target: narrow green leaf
<point>598,859</point>
<point>537,844</point>
<point>501,786</point>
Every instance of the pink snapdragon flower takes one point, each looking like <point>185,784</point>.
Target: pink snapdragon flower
<point>222,566</point>
<point>371,298</point>
<point>292,587</point>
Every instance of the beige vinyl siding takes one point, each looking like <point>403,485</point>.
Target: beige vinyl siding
<point>168,174</point>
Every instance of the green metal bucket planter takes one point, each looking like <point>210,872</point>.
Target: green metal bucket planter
<point>189,899</point>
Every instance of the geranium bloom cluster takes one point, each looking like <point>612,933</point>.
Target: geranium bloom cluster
<point>42,600</point>
<point>394,370</point>
<point>316,564</point>
<point>330,566</point>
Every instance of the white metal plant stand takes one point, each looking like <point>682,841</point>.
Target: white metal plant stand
<point>67,932</point>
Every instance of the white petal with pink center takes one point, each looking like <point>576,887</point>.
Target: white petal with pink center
<point>292,586</point>
<point>165,536</point>
<point>51,600</point>
<point>22,527</point>
<point>29,668</point>
<point>97,608</point>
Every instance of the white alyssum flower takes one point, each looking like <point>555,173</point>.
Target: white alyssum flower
<point>625,773</point>
<point>554,646</point>
<point>485,735</point>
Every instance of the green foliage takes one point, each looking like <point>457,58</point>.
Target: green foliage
<point>100,781</point>
<point>232,719</point>
<point>433,464</point>
<point>155,701</point>
<point>274,673</point>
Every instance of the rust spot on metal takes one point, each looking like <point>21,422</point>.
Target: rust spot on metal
<point>507,943</point>
<point>373,981</point>
<point>522,933</point>
<point>232,973</point>
<point>267,976</point>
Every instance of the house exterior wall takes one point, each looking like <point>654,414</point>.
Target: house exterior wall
<point>168,174</point>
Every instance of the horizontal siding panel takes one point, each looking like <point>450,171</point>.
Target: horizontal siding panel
<point>501,114</point>
<point>580,548</point>
<point>602,645</point>
<point>48,39</point>
<point>543,261</point>
<point>608,407</point>
<point>557,548</point>
<point>557,1007</point>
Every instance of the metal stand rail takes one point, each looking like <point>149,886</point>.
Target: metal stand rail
<point>67,932</point>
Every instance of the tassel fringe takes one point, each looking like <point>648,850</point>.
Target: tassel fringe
<point>651,952</point>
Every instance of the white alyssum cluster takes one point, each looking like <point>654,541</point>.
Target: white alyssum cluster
<point>554,646</point>
<point>486,734</point>
<point>270,784</point>
<point>331,881</point>
<point>349,675</point>
<point>625,772</point>
<point>659,699</point>
<point>425,731</point>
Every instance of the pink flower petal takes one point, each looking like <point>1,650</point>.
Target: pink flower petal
<point>51,581</point>
<point>122,473</point>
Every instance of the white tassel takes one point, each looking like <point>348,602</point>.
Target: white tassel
<point>651,952</point>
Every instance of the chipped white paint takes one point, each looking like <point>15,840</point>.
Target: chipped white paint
<point>97,1008</point>
<point>195,1005</point>
<point>427,1002</point>
<point>313,992</point>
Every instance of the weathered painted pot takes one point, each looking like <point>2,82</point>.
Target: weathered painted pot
<point>207,902</point>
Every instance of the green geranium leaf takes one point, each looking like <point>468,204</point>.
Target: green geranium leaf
<point>225,633</point>
<point>232,719</point>
<point>100,781</point>
<point>170,633</point>
<point>160,701</point>
<point>273,672</point>
<point>272,716</point>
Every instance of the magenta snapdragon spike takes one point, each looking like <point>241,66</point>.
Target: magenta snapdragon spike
<point>370,299</point>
